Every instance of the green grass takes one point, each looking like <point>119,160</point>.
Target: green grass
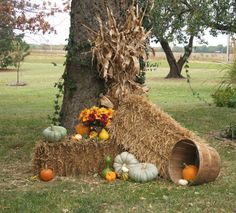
<point>23,115</point>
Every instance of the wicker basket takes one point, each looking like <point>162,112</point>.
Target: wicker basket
<point>201,155</point>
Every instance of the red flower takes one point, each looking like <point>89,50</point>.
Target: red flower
<point>104,120</point>
<point>91,117</point>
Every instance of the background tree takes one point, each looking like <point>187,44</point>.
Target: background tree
<point>21,50</point>
<point>174,21</point>
<point>6,48</point>
<point>25,15</point>
<point>183,20</point>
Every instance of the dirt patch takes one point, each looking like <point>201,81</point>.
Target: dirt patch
<point>17,84</point>
<point>14,175</point>
<point>7,70</point>
<point>220,137</point>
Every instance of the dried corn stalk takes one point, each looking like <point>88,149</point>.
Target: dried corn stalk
<point>118,48</point>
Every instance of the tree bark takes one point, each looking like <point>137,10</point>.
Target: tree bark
<point>187,52</point>
<point>82,84</point>
<point>176,66</point>
<point>174,72</point>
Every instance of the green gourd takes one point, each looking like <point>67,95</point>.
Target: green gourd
<point>143,172</point>
<point>107,169</point>
<point>54,133</point>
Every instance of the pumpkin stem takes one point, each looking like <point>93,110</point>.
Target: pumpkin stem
<point>52,127</point>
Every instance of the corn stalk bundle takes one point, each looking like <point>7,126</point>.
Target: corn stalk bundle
<point>118,48</point>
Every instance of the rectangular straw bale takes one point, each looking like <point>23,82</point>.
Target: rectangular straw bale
<point>70,159</point>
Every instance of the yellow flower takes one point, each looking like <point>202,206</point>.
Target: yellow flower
<point>84,114</point>
<point>110,112</point>
<point>94,108</point>
<point>103,110</point>
<point>85,118</point>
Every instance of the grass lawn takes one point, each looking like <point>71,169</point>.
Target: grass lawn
<point>23,116</point>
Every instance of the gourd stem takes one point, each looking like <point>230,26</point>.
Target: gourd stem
<point>108,161</point>
<point>52,128</point>
<point>108,164</point>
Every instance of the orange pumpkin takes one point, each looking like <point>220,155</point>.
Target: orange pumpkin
<point>111,176</point>
<point>93,134</point>
<point>82,130</point>
<point>46,174</point>
<point>189,173</point>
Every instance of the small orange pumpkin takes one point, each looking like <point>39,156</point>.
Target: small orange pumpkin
<point>189,172</point>
<point>111,176</point>
<point>93,134</point>
<point>46,174</point>
<point>82,129</point>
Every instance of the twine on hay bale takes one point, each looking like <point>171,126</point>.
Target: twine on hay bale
<point>147,132</point>
<point>70,159</point>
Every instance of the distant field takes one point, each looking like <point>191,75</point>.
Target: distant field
<point>159,56</point>
<point>207,57</point>
<point>23,116</point>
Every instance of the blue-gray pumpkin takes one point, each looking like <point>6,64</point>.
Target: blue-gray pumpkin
<point>54,133</point>
<point>143,172</point>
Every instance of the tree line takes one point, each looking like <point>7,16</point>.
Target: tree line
<point>199,49</point>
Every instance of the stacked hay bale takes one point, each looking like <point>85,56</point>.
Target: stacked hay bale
<point>70,158</point>
<point>147,132</point>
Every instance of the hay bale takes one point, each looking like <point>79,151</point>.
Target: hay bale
<point>70,159</point>
<point>147,132</point>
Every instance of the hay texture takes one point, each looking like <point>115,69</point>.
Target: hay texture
<point>71,159</point>
<point>147,132</point>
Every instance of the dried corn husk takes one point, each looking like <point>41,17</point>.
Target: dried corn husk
<point>118,48</point>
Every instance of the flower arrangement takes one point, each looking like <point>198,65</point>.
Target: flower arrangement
<point>93,122</point>
<point>96,116</point>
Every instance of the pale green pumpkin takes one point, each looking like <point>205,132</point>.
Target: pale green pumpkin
<point>61,129</point>
<point>143,172</point>
<point>54,133</point>
<point>124,160</point>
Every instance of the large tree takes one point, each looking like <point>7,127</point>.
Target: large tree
<point>82,84</point>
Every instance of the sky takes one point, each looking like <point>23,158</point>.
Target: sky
<point>61,22</point>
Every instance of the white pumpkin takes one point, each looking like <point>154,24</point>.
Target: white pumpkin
<point>183,182</point>
<point>124,160</point>
<point>143,172</point>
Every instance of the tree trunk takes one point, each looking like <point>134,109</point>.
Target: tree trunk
<point>18,73</point>
<point>82,84</point>
<point>174,72</point>
<point>176,66</point>
<point>187,52</point>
